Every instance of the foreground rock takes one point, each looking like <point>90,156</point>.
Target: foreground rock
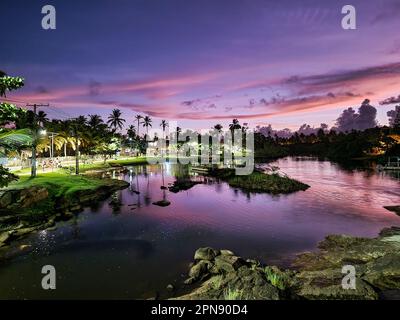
<point>226,276</point>
<point>220,274</point>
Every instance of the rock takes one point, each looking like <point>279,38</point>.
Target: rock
<point>162,203</point>
<point>206,253</point>
<point>24,246</point>
<point>327,284</point>
<point>227,263</point>
<point>23,231</point>
<point>387,232</point>
<point>13,199</point>
<point>189,281</point>
<point>182,185</point>
<point>383,273</point>
<point>200,269</point>
<point>243,284</point>
<point>170,287</point>
<point>225,252</point>
<point>4,238</point>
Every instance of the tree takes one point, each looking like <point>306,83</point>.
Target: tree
<point>9,114</point>
<point>164,125</point>
<point>147,123</point>
<point>394,117</point>
<point>41,118</point>
<point>131,132</point>
<point>234,125</point>
<point>138,117</point>
<point>8,83</point>
<point>114,119</point>
<point>218,127</point>
<point>95,121</point>
<point>12,140</point>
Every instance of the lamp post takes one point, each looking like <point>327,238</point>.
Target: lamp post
<point>52,135</point>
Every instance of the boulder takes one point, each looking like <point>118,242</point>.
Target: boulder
<point>327,284</point>
<point>227,263</point>
<point>206,253</point>
<point>200,270</point>
<point>225,252</point>
<point>383,273</point>
<point>4,238</point>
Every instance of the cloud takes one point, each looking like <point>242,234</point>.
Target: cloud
<point>391,100</point>
<point>343,79</point>
<point>394,116</point>
<point>351,120</point>
<point>391,11</point>
<point>94,88</point>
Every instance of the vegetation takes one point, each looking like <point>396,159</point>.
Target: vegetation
<point>275,278</point>
<point>58,184</point>
<point>260,182</point>
<point>233,294</point>
<point>6,177</point>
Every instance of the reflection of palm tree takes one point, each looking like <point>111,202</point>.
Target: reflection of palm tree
<point>163,124</point>
<point>164,189</point>
<point>138,187</point>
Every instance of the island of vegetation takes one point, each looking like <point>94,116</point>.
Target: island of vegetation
<point>257,181</point>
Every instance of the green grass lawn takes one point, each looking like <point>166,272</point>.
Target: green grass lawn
<point>58,183</point>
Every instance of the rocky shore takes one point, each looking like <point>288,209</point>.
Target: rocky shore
<point>32,208</point>
<point>220,274</point>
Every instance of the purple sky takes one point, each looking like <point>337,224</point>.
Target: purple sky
<point>201,62</point>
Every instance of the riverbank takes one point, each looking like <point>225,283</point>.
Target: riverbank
<point>257,181</point>
<point>220,274</point>
<point>35,204</point>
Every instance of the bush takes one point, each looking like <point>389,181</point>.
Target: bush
<point>6,177</point>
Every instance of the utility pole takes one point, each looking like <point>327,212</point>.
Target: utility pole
<point>76,152</point>
<point>35,134</point>
<point>75,133</point>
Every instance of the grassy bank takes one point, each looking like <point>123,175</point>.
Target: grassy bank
<point>98,165</point>
<point>58,183</point>
<point>30,204</point>
<point>260,182</point>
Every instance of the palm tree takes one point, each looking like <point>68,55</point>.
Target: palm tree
<point>115,120</point>
<point>163,124</point>
<point>138,117</point>
<point>94,121</point>
<point>218,127</point>
<point>131,132</point>
<point>147,123</point>
<point>41,118</point>
<point>234,125</point>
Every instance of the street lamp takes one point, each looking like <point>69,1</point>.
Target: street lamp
<point>52,135</point>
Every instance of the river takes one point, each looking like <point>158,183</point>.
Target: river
<point>127,248</point>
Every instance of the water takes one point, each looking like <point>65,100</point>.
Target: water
<point>127,248</point>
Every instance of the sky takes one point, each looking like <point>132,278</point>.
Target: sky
<point>202,62</point>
